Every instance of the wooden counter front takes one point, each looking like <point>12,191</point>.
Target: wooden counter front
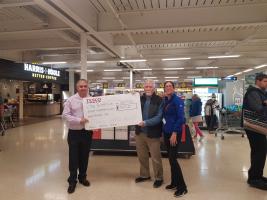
<point>41,110</point>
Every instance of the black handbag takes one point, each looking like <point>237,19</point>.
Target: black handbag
<point>254,121</point>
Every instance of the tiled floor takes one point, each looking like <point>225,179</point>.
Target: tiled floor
<point>34,165</point>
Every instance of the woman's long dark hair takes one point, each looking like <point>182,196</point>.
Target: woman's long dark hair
<point>172,83</point>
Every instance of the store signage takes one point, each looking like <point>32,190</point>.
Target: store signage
<point>105,85</point>
<point>42,72</point>
<point>121,85</point>
<point>206,82</point>
<point>32,72</point>
<point>232,78</point>
<point>139,85</point>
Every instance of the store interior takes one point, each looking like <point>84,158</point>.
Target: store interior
<point>204,47</point>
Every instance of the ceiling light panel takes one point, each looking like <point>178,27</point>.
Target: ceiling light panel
<point>224,56</point>
<point>261,66</point>
<point>53,63</point>
<point>175,59</point>
<point>179,68</point>
<point>95,61</point>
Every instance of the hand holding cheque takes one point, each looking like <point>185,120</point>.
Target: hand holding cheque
<point>83,121</point>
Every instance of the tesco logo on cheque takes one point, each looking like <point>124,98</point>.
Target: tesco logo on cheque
<point>94,100</point>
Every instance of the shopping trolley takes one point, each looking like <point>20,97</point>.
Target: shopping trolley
<point>6,119</point>
<point>234,123</point>
<point>2,122</point>
<point>222,123</point>
<point>229,122</point>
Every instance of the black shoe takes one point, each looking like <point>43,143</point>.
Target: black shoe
<point>85,182</point>
<point>180,193</point>
<point>157,183</point>
<point>171,187</point>
<point>142,179</point>
<point>258,183</point>
<point>71,188</point>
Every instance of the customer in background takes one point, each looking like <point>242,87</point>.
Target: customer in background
<point>210,113</point>
<point>254,101</point>
<point>195,114</point>
<point>188,103</point>
<point>148,133</point>
<point>173,120</point>
<point>79,139</point>
<point>6,105</point>
<point>1,105</point>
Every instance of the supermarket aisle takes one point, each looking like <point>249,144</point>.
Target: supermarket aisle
<point>33,165</point>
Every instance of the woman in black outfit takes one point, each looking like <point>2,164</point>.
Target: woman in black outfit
<point>173,120</point>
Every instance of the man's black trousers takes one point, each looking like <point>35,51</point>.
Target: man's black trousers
<point>257,155</point>
<point>79,142</point>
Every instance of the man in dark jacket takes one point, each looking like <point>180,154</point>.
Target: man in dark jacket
<point>254,101</point>
<point>148,133</point>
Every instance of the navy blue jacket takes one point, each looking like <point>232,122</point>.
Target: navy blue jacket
<point>173,114</point>
<point>195,108</point>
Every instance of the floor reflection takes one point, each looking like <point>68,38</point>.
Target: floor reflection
<point>40,172</point>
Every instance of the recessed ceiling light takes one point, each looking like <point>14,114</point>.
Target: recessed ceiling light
<point>224,56</point>
<point>238,73</point>
<point>173,59</point>
<point>89,70</point>
<point>145,69</point>
<point>125,77</point>
<point>140,60</point>
<point>53,63</point>
<point>95,61</point>
<point>112,70</point>
<point>179,68</point>
<point>248,70</point>
<point>261,66</point>
<point>207,67</point>
<point>150,77</point>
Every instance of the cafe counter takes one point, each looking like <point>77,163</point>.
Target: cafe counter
<point>41,109</point>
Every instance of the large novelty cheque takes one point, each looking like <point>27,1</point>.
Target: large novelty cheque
<point>112,111</point>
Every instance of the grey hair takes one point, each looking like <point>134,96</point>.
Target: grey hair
<point>150,81</point>
<point>81,80</point>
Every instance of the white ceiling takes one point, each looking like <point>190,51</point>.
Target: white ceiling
<point>49,30</point>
